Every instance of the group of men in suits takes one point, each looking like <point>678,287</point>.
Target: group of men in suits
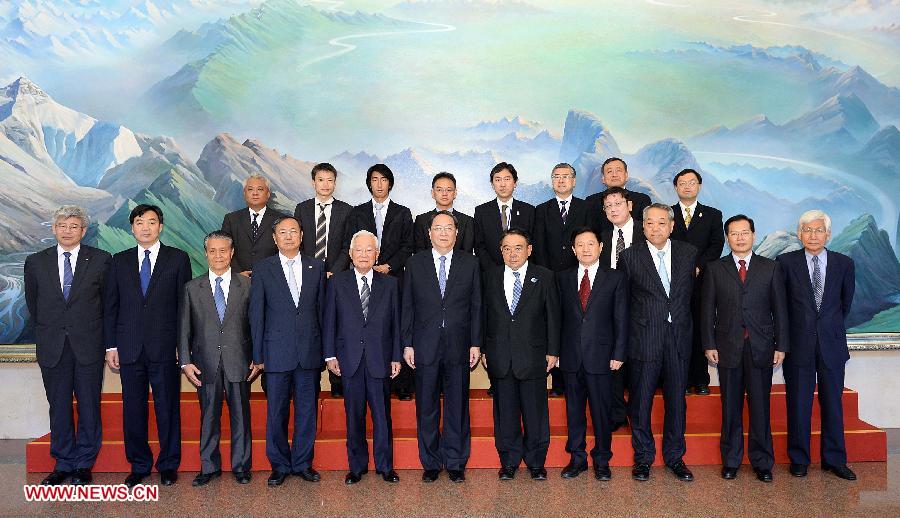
<point>585,289</point>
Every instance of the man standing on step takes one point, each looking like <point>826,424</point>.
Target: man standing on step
<point>820,286</point>
<point>443,191</point>
<point>615,174</point>
<point>64,293</point>
<point>250,227</point>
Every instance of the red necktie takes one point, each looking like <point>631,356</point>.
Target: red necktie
<point>584,291</point>
<point>742,273</point>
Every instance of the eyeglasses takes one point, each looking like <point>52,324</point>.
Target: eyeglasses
<point>614,205</point>
<point>510,249</point>
<point>817,231</point>
<point>689,183</point>
<point>286,233</point>
<point>444,190</point>
<point>447,228</point>
<point>743,233</point>
<point>562,176</point>
<point>367,250</point>
<point>72,227</point>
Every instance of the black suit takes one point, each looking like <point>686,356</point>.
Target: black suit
<point>516,346</point>
<point>465,237</point>
<point>248,251</point>
<point>70,349</point>
<point>440,329</point>
<point>707,235</point>
<point>337,258</point>
<point>590,338</point>
<point>489,229</point>
<point>639,201</point>
<point>746,322</point>
<point>144,329</point>
<point>658,348</point>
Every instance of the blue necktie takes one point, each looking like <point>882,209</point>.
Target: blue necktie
<point>817,282</point>
<point>442,275</point>
<point>219,295</point>
<point>292,283</point>
<point>67,275</point>
<point>145,272</point>
<point>517,292</point>
<point>663,274</point>
<point>379,221</point>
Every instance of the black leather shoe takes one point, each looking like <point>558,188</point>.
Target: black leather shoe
<point>430,475</point>
<point>619,424</point>
<point>168,477</point>
<point>308,474</point>
<point>389,476</point>
<point>573,470</point>
<point>681,471</point>
<point>557,392</point>
<point>134,479</point>
<point>641,472</point>
<point>56,478</point>
<point>204,478</point>
<point>242,477</point>
<point>82,477</point>
<point>840,471</point>
<point>404,396</point>
<point>729,473</point>
<point>337,393</point>
<point>763,475</point>
<point>689,390</point>
<point>538,473</point>
<point>702,390</point>
<point>507,473</point>
<point>490,392</point>
<point>798,470</point>
<point>276,478</point>
<point>602,473</point>
<point>456,475</point>
<point>353,477</point>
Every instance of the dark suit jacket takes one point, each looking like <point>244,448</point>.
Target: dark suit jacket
<point>80,318</point>
<point>519,343</point>
<point>135,323</point>
<point>285,335</point>
<point>204,341</point>
<point>706,232</point>
<point>465,237</point>
<point>348,336</point>
<point>552,239</point>
<point>827,325</point>
<point>337,258</point>
<point>489,229</point>
<point>248,252</point>
<point>728,306</point>
<point>639,200</point>
<point>397,241</point>
<point>593,337</point>
<point>424,310</point>
<point>609,240</point>
<point>650,306</point>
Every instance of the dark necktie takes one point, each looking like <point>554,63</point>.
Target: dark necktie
<point>817,282</point>
<point>321,231</point>
<point>67,275</point>
<point>219,297</point>
<point>254,227</point>
<point>584,291</point>
<point>145,272</point>
<point>563,213</point>
<point>742,273</point>
<point>364,297</point>
<point>504,219</point>
<point>620,246</point>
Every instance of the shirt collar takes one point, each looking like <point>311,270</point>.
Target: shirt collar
<point>821,255</point>
<point>509,271</point>
<point>692,206</point>
<point>450,210</point>
<point>261,212</point>
<point>508,204</point>
<point>745,259</point>
<point>154,250</point>
<point>592,269</point>
<point>627,224</point>
<point>437,256</point>
<point>386,202</point>
<point>74,251</point>
<point>226,276</point>
<point>284,259</point>
<point>329,201</point>
<point>369,275</point>
<point>567,200</point>
<point>655,251</point>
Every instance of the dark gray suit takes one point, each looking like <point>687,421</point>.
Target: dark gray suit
<point>248,252</point>
<point>222,351</point>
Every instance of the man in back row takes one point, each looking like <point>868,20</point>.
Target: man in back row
<point>443,192</point>
<point>615,174</point>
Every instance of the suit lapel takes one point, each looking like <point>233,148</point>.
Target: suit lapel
<point>598,281</point>
<point>392,211</point>
<point>555,216</point>
<point>278,272</point>
<point>679,218</point>
<point>53,266</point>
<point>431,273</point>
<point>208,300</point>
<point>133,268</point>
<point>235,290</point>
<point>369,216</point>
<point>336,215</point>
<point>650,263</point>
<point>527,288</point>
<point>306,274</point>
<point>81,266</point>
<point>679,261</point>
<point>265,224</point>
<point>732,269</point>
<point>830,276</point>
<point>352,293</point>
<point>576,207</point>
<point>376,293</point>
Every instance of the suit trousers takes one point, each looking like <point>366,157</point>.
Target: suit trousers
<point>595,391</point>
<point>405,382</point>
<point>757,383</point>
<point>450,449</point>
<point>361,389</point>
<point>619,381</point>
<point>698,371</point>
<point>521,404</point>
<point>165,381</point>
<point>299,385</point>
<point>237,395</point>
<point>70,449</point>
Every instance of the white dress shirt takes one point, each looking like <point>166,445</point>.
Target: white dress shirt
<point>437,262</point>
<point>509,280</point>
<point>297,267</point>
<point>693,208</point>
<point>745,259</point>
<point>386,202</point>
<point>667,259</point>
<point>318,211</point>
<point>568,203</point>
<point>261,212</point>
<point>61,261</point>
<point>509,215</point>
<point>154,254</point>
<point>226,282</point>
<point>591,271</point>
<point>627,236</point>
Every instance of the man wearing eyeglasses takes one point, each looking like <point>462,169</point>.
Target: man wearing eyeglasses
<point>615,174</point>
<point>820,285</point>
<point>64,294</point>
<point>443,192</point>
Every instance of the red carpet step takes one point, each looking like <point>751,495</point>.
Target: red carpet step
<point>864,441</point>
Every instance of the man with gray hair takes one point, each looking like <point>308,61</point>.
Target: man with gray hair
<point>64,292</point>
<point>250,226</point>
<point>820,285</point>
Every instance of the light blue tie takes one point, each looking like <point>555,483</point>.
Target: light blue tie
<point>145,272</point>
<point>219,296</point>
<point>442,275</point>
<point>292,282</point>
<point>68,275</point>
<point>379,222</point>
<point>663,274</point>
<point>517,292</point>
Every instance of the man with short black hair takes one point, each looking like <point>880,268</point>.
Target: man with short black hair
<point>615,174</point>
<point>443,191</point>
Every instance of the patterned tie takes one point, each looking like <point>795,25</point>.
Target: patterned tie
<point>663,274</point>
<point>321,231</point>
<point>219,296</point>
<point>254,227</point>
<point>145,272</point>
<point>620,246</point>
<point>817,282</point>
<point>742,273</point>
<point>292,282</point>
<point>67,275</point>
<point>379,221</point>
<point>364,297</point>
<point>584,291</point>
<point>563,213</point>
<point>442,275</point>
<point>504,219</point>
<point>517,292</point>
<point>687,217</point>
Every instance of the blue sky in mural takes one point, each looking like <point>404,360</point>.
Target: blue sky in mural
<point>784,106</point>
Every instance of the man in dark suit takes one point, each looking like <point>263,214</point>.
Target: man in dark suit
<point>64,287</point>
<point>820,285</point>
<point>328,216</point>
<point>143,295</point>
<point>745,333</point>
<point>554,222</point>
<point>442,335</point>
<point>443,191</point>
<point>521,345</point>
<point>701,226</point>
<point>215,352</point>
<point>495,217</point>
<point>593,345</point>
<point>286,298</point>
<point>615,174</point>
<point>250,227</point>
<point>362,345</point>
<point>393,225</point>
<point>661,277</point>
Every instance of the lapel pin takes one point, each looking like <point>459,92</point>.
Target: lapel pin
<point>534,280</point>
<point>700,215</point>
